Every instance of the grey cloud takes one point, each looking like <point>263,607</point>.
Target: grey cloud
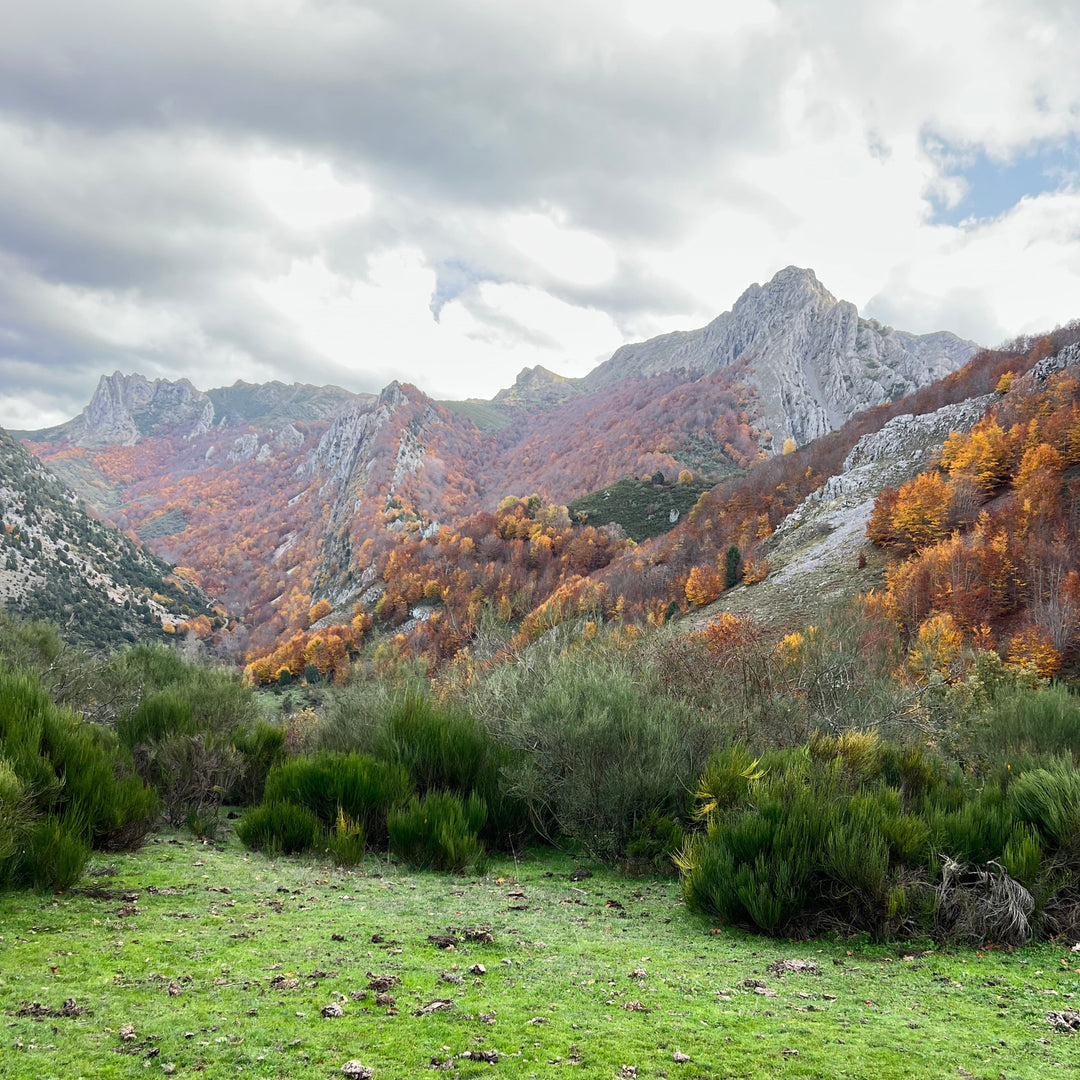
<point>465,103</point>
<point>117,120</point>
<point>122,122</point>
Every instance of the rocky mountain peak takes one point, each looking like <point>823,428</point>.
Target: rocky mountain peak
<point>124,408</point>
<point>812,360</point>
<point>788,290</point>
<point>392,395</point>
<point>538,386</point>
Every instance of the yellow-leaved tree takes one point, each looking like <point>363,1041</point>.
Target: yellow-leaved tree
<point>937,647</point>
<point>703,585</point>
<point>921,515</point>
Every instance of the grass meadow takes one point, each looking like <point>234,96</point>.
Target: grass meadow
<point>194,959</point>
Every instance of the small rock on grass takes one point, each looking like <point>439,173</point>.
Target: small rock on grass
<point>357,1070</point>
<point>680,1058</point>
<point>438,1005</point>
<point>794,967</point>
<point>478,969</point>
<point>332,1010</point>
<point>1068,1020</point>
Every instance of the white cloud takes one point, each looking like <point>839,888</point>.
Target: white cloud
<point>306,195</point>
<point>279,188</point>
<point>565,253</point>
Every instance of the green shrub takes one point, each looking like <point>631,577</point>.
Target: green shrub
<point>976,832</point>
<point>856,867</point>
<point>446,749</point>
<point>346,840</point>
<point>438,831</point>
<point>194,700</point>
<point>158,716</point>
<point>441,749</point>
<point>654,843</point>
<point>1022,857</point>
<point>1031,722</point>
<point>52,857</point>
<point>280,828</point>
<point>152,667</point>
<point>595,756</point>
<point>915,772</point>
<point>71,774</point>
<point>16,812</point>
<point>727,780</point>
<point>808,838</point>
<point>1049,800</point>
<point>365,789</point>
<point>29,645</point>
<point>261,746</point>
<point>192,772</point>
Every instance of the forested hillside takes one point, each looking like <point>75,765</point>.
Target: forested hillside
<point>58,563</point>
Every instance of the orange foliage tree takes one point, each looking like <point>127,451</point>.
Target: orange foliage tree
<point>703,585</point>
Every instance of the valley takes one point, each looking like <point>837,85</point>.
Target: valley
<point>276,499</point>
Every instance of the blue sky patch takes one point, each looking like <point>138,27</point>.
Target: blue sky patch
<point>994,186</point>
<point>452,278</point>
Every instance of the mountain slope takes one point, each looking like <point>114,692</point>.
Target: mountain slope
<point>57,562</point>
<point>276,496</point>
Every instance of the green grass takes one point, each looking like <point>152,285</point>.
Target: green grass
<point>641,507</point>
<point>167,524</point>
<point>219,924</point>
<point>483,414</point>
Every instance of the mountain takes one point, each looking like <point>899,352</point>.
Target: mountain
<point>536,387</point>
<point>59,563</point>
<point>126,409</point>
<point>274,496</point>
<point>813,361</point>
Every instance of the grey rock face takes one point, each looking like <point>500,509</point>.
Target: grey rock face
<point>288,438</point>
<point>814,552</point>
<point>244,448</point>
<point>125,408</point>
<point>813,360</point>
<point>351,434</point>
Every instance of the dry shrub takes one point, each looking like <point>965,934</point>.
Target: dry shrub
<point>983,905</point>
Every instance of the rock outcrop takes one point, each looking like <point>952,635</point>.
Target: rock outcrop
<point>537,386</point>
<point>814,553</point>
<point>58,563</point>
<point>125,408</point>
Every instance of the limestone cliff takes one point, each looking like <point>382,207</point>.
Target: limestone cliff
<point>813,360</point>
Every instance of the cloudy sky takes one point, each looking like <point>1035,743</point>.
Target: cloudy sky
<point>445,191</point>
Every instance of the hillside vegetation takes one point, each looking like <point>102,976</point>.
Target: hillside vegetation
<point>644,508</point>
<point>835,779</point>
<point>57,562</point>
